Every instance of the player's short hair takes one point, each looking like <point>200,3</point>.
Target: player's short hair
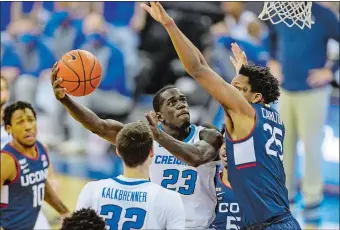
<point>5,80</point>
<point>19,105</point>
<point>134,143</point>
<point>158,100</point>
<point>84,219</point>
<point>262,81</point>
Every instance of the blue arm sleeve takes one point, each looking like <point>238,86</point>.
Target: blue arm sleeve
<point>46,59</point>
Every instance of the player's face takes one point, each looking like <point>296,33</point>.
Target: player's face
<point>175,109</point>
<point>241,83</point>
<point>23,127</point>
<point>4,93</point>
<point>223,155</point>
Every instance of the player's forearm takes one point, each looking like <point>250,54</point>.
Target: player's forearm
<point>52,199</point>
<point>83,115</point>
<point>189,55</point>
<point>187,153</point>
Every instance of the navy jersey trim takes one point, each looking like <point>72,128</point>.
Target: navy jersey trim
<point>246,137</point>
<point>16,165</point>
<point>29,157</point>
<point>222,182</point>
<point>189,137</point>
<point>129,182</point>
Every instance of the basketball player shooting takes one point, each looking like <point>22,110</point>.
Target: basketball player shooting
<point>182,147</point>
<point>24,171</point>
<point>254,132</point>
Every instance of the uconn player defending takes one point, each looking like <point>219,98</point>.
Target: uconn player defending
<point>228,213</point>
<point>131,201</point>
<point>254,132</point>
<point>24,171</point>
<point>186,156</point>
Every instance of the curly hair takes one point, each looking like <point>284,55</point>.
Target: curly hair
<point>262,81</point>
<point>19,105</point>
<point>84,219</point>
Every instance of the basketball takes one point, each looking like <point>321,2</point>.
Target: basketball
<point>81,72</point>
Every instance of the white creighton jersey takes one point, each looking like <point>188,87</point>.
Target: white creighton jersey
<point>196,185</point>
<point>5,137</point>
<point>127,203</point>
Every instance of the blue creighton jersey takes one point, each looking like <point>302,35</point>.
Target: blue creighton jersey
<point>255,168</point>
<point>228,214</point>
<point>22,198</point>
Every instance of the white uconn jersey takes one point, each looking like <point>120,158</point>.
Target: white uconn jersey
<point>196,185</point>
<point>5,137</point>
<point>126,204</point>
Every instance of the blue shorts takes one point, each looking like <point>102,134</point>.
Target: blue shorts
<point>283,222</point>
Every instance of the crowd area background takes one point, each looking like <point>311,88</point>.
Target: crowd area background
<point>137,59</point>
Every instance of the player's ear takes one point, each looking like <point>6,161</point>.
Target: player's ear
<point>117,152</point>
<point>9,129</point>
<point>151,154</point>
<point>159,117</point>
<point>257,97</point>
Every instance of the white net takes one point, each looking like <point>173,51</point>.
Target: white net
<point>290,13</point>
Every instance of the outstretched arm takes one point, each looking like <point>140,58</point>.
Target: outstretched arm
<point>107,129</point>
<point>194,155</point>
<point>194,63</point>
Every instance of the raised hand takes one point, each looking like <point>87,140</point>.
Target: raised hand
<point>152,120</point>
<point>239,58</point>
<point>158,13</point>
<point>55,81</point>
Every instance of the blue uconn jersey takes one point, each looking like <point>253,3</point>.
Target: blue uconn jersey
<point>228,213</point>
<point>22,198</point>
<point>255,168</point>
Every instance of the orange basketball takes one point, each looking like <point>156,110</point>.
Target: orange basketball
<point>81,72</point>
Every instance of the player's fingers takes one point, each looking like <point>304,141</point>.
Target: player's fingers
<point>146,7</point>
<point>148,118</point>
<point>233,61</point>
<point>244,57</point>
<point>57,82</point>
<point>160,8</point>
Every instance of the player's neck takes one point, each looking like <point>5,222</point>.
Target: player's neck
<point>179,134</point>
<point>28,151</point>
<point>139,172</point>
<point>225,177</point>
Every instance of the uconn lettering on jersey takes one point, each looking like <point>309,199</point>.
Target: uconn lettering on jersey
<point>168,160</point>
<point>118,194</point>
<point>34,177</point>
<point>271,115</point>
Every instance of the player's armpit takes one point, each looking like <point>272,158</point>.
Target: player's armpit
<point>8,168</point>
<point>52,198</point>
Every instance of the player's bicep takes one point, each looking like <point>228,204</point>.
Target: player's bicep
<point>8,168</point>
<point>110,130</point>
<point>175,212</point>
<point>84,199</point>
<point>227,95</point>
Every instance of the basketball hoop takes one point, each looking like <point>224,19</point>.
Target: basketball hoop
<point>290,13</point>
